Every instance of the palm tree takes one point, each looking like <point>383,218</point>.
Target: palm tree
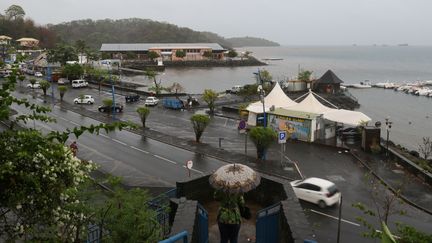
<point>62,90</point>
<point>262,137</point>
<point>143,113</point>
<point>210,97</point>
<point>199,123</point>
<point>44,86</point>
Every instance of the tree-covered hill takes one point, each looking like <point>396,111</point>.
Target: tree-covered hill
<point>250,41</point>
<point>134,30</point>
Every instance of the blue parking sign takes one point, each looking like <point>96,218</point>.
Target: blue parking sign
<point>282,137</point>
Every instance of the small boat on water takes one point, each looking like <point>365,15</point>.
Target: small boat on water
<point>362,85</point>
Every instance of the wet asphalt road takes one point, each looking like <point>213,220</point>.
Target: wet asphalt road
<point>149,167</point>
<point>139,160</point>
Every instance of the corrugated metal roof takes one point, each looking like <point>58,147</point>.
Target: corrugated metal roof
<point>147,46</point>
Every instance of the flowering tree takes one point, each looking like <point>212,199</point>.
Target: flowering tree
<point>40,180</point>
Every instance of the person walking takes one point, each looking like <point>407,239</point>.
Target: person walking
<point>74,148</point>
<point>229,217</point>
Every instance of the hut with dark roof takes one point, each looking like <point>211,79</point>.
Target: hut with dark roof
<point>328,83</point>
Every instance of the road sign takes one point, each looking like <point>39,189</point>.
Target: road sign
<point>189,164</point>
<point>282,136</point>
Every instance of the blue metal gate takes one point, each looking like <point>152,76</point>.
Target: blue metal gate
<point>267,224</point>
<point>202,225</point>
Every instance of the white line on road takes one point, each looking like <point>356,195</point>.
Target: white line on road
<point>64,119</point>
<point>333,217</point>
<point>162,158</point>
<point>76,124</point>
<point>139,149</point>
<point>103,135</point>
<point>194,170</point>
<point>118,141</point>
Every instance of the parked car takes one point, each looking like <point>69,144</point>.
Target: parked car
<point>78,83</point>
<point>62,81</point>
<point>151,100</point>
<point>38,74</point>
<point>132,98</point>
<point>318,191</point>
<point>234,90</point>
<point>118,108</point>
<point>85,99</point>
<point>34,86</point>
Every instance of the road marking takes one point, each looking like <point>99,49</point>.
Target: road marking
<point>103,135</point>
<point>333,217</point>
<point>76,124</point>
<point>146,152</point>
<point>64,119</point>
<point>162,158</point>
<point>194,170</point>
<point>118,141</point>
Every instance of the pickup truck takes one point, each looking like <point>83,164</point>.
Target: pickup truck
<point>234,90</point>
<point>117,108</point>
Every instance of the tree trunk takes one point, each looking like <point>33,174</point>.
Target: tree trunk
<point>260,153</point>
<point>61,96</point>
<point>143,122</point>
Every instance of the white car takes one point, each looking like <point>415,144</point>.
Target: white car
<point>34,86</point>
<point>78,83</point>
<point>38,74</point>
<point>315,190</point>
<point>62,81</point>
<point>86,99</point>
<point>151,101</point>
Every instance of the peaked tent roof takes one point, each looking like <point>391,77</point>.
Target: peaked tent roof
<point>311,104</point>
<point>276,98</point>
<point>329,77</point>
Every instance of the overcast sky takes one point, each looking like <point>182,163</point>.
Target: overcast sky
<point>289,22</point>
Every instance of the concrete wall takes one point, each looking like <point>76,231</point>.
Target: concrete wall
<point>186,218</point>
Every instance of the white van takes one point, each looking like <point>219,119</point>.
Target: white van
<point>78,83</point>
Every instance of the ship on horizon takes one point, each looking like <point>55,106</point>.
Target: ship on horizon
<point>403,44</point>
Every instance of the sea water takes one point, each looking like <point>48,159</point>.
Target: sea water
<point>411,115</point>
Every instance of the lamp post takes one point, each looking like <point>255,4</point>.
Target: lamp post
<point>262,96</point>
<point>388,127</point>
<point>113,92</point>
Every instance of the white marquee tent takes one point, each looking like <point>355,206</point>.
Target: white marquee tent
<point>347,117</point>
<point>276,98</point>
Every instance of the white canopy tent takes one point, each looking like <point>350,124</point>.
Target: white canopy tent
<point>311,104</point>
<point>276,98</point>
<point>347,117</point>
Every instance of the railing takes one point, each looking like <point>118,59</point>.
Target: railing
<point>177,237</point>
<point>203,236</point>
<point>160,205</point>
<point>267,224</point>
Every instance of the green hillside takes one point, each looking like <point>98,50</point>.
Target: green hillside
<point>96,32</point>
<point>250,41</point>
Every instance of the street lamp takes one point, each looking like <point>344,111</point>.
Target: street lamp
<point>262,96</point>
<point>112,91</point>
<point>388,127</point>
